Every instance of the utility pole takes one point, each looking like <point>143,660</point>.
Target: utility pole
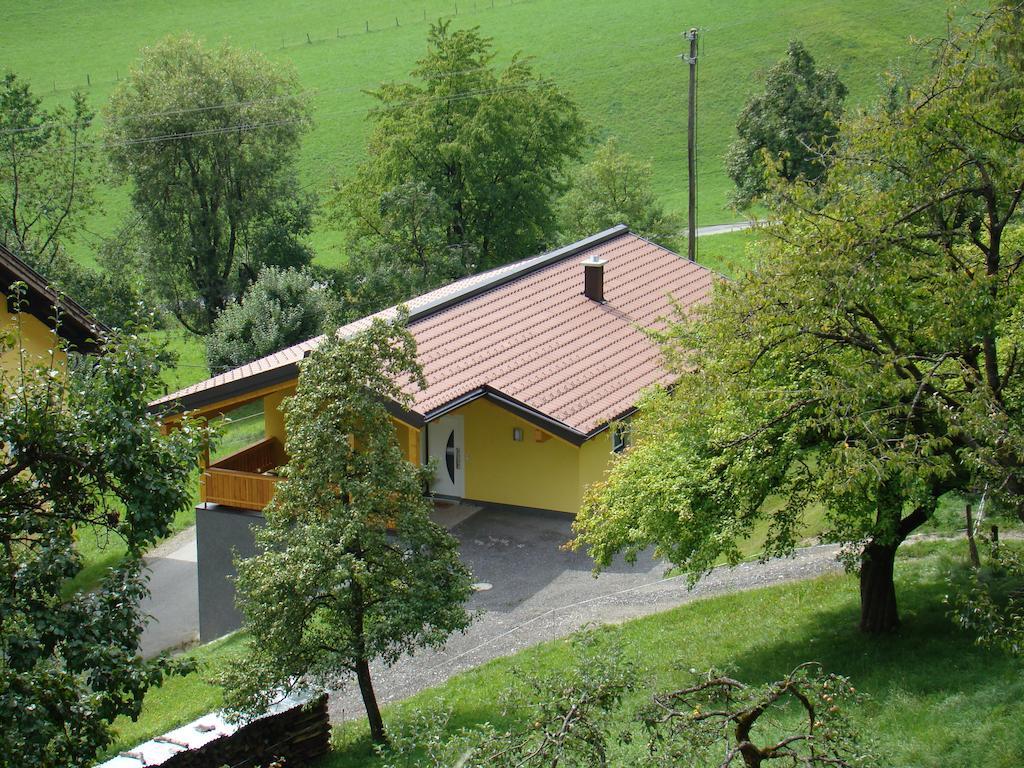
<point>691,146</point>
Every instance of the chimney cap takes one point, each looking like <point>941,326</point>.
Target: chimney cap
<point>593,261</point>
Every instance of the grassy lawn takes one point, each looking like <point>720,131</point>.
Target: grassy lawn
<point>728,254</point>
<point>618,59</point>
<point>191,353</point>
<point>934,698</point>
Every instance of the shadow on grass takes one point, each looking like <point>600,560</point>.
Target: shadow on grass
<point>934,698</point>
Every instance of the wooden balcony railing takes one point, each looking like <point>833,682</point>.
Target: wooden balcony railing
<point>246,478</point>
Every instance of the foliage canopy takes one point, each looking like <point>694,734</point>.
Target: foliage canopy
<point>80,449</point>
<point>788,129</point>
<point>283,307</point>
<point>613,188</point>
<point>208,139</point>
<point>351,567</point>
<point>480,151</point>
<point>870,362</point>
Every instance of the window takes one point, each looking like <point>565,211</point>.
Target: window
<point>620,438</point>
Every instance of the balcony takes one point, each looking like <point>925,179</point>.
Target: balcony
<point>247,478</point>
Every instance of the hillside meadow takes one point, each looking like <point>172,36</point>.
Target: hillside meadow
<point>618,59</point>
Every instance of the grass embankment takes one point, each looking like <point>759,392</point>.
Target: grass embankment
<point>935,699</point>
<point>618,59</point>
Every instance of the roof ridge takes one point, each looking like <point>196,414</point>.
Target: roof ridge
<point>510,272</point>
<point>475,285</point>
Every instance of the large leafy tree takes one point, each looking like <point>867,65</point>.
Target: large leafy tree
<point>47,173</point>
<point>283,307</point>
<point>871,361</point>
<point>613,188</point>
<point>80,450</point>
<point>788,129</point>
<point>490,144</point>
<point>351,567</point>
<point>208,140</point>
<point>407,254</point>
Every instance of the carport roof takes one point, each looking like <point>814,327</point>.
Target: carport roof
<point>522,334</point>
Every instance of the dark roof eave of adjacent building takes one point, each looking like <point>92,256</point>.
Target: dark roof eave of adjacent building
<point>77,326</point>
<point>255,382</point>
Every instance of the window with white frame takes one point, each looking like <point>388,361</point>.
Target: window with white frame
<point>620,438</point>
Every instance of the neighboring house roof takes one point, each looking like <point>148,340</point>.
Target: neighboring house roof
<point>523,335</point>
<point>77,326</point>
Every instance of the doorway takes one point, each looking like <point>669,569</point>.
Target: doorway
<point>445,445</point>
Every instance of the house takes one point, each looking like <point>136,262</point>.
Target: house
<point>35,311</point>
<point>528,367</point>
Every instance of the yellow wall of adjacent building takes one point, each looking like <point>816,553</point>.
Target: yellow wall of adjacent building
<point>540,471</point>
<point>36,339</point>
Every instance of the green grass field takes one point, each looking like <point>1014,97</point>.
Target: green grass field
<point>619,59</point>
<point>934,698</point>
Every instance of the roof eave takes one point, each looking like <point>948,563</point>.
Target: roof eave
<point>528,414</point>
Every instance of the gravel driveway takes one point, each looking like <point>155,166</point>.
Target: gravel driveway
<point>540,592</point>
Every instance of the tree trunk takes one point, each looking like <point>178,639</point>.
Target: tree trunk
<point>370,702</point>
<point>878,612</point>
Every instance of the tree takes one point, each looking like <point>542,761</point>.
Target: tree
<point>80,450</point>
<point>208,139</point>
<point>47,173</point>
<point>613,188</point>
<point>283,307</point>
<point>788,129</point>
<point>490,145</point>
<point>407,255</point>
<point>351,568</point>
<point>718,715</point>
<point>872,360</point>
<point>990,604</point>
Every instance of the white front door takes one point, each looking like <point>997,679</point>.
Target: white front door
<point>444,445</point>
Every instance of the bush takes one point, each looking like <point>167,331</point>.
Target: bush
<point>283,307</point>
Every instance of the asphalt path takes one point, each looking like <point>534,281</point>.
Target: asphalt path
<point>173,602</point>
<point>539,591</point>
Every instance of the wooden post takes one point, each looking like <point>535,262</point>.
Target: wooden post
<point>971,544</point>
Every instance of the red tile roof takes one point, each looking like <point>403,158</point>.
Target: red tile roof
<point>526,333</point>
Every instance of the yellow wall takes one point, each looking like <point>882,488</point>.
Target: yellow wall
<point>549,474</point>
<point>408,441</point>
<point>595,457</point>
<point>36,338</point>
<point>273,425</point>
<point>273,418</point>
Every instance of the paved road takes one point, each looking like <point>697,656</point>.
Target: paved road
<point>173,604</point>
<point>540,592</point>
<point>721,229</point>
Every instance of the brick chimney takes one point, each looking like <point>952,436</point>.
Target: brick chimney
<point>593,278</point>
